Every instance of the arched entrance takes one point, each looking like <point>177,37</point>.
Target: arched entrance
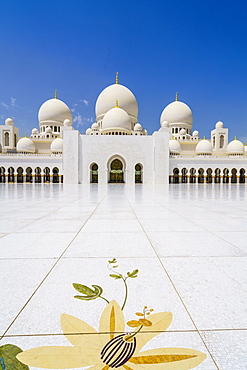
<point>200,176</point>
<point>184,175</point>
<point>192,175</point>
<point>29,177</point>
<point>175,176</point>
<point>94,173</point>
<point>46,174</point>
<point>138,173</point>
<point>225,176</point>
<point>38,175</point>
<point>242,176</point>
<point>11,176</point>
<point>234,176</point>
<point>55,175</point>
<point>209,176</point>
<point>19,174</point>
<point>116,171</point>
<point>2,174</point>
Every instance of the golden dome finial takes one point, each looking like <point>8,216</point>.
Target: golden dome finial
<point>176,96</point>
<point>116,106</point>
<point>117,77</point>
<point>235,137</point>
<point>55,94</point>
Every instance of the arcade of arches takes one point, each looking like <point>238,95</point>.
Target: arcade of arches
<point>208,176</point>
<point>30,175</point>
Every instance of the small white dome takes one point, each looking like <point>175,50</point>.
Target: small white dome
<point>219,124</point>
<point>54,110</point>
<point>195,133</point>
<point>204,147</point>
<point>145,132</point>
<point>174,146</point>
<point>107,100</point>
<point>182,131</point>
<point>48,130</point>
<point>177,112</point>
<point>88,131</point>
<point>138,127</point>
<point>35,131</point>
<point>116,118</point>
<point>9,122</point>
<point>235,147</point>
<point>67,122</point>
<point>165,124</point>
<point>57,145</point>
<point>95,126</point>
<point>25,145</point>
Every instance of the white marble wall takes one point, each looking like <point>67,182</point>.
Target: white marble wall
<point>70,156</point>
<point>103,149</point>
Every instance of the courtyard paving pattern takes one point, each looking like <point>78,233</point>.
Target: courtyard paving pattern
<point>188,242</point>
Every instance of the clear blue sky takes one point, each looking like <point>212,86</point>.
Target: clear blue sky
<point>197,47</point>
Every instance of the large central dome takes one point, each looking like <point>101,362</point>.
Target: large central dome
<point>107,100</point>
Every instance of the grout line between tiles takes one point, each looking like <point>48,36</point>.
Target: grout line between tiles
<point>51,269</point>
<point>171,281</point>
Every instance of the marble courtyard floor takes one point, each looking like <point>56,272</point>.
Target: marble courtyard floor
<point>188,242</point>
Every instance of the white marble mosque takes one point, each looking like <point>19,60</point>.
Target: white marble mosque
<point>134,273</point>
<point>117,149</point>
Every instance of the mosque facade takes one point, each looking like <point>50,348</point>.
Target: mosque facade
<point>117,149</point>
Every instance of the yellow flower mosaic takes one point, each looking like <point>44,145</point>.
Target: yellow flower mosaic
<point>112,347</point>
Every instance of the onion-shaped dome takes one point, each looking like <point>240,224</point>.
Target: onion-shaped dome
<point>182,131</point>
<point>204,147</point>
<point>107,99</point>
<point>138,127</point>
<point>116,118</point>
<point>9,122</point>
<point>235,147</point>
<point>54,110</point>
<point>219,124</point>
<point>174,146</point>
<point>95,126</point>
<point>177,112</point>
<point>25,145</point>
<point>57,145</point>
<point>88,131</point>
<point>48,130</point>
<point>67,122</point>
<point>195,133</point>
<point>35,131</point>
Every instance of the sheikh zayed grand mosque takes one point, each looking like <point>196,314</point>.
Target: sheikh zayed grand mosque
<point>117,149</point>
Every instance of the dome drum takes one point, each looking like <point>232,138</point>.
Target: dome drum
<point>116,131</point>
